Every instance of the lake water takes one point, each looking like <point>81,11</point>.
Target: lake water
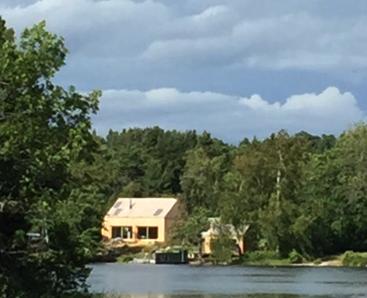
<point>166,281</point>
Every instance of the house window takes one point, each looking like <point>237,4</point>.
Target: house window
<point>127,232</point>
<point>142,232</point>
<point>116,232</point>
<point>153,232</point>
<point>122,232</point>
<point>148,232</point>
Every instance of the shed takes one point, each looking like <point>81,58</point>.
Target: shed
<point>238,235</point>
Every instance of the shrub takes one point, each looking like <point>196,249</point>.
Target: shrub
<point>295,257</point>
<point>125,258</point>
<point>260,255</point>
<point>222,250</point>
<point>354,259</point>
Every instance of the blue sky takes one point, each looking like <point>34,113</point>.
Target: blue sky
<point>235,68</point>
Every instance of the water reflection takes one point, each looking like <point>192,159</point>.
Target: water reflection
<point>209,296</point>
<point>153,281</point>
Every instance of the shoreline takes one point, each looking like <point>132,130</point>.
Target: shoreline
<point>347,259</point>
<point>325,264</point>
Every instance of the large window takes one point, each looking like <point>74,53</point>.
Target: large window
<point>148,232</point>
<point>153,232</point>
<point>116,232</point>
<point>122,232</point>
<point>127,232</point>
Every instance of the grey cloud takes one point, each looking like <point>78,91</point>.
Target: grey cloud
<point>250,8</point>
<point>14,3</point>
<point>226,46</point>
<point>251,34</point>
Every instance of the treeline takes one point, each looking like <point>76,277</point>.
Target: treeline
<point>298,192</point>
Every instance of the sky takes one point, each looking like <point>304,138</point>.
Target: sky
<point>235,68</point>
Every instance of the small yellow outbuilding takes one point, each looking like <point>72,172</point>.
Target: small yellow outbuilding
<point>237,235</point>
<point>141,221</point>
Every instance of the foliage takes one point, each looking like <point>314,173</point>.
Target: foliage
<point>154,162</point>
<point>297,192</point>
<point>264,184</point>
<point>336,195</point>
<point>263,258</point>
<point>222,246</point>
<point>295,257</point>
<point>44,132</point>
<point>146,162</point>
<point>126,258</point>
<point>188,231</point>
<point>354,259</point>
<point>258,255</point>
<point>201,179</point>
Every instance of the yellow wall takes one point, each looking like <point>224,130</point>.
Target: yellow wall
<point>206,245</point>
<point>109,222</point>
<point>206,248</point>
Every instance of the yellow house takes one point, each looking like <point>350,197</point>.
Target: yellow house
<point>238,235</point>
<point>141,221</point>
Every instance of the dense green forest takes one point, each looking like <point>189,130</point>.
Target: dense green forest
<point>300,191</point>
<point>57,178</point>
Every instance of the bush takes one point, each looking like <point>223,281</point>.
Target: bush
<point>222,250</point>
<point>125,258</point>
<point>295,257</point>
<point>354,259</point>
<point>260,255</point>
<point>263,258</point>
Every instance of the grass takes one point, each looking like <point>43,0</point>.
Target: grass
<point>268,262</point>
<point>264,258</point>
<point>269,258</point>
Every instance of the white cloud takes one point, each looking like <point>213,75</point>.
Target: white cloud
<point>211,12</point>
<point>226,116</point>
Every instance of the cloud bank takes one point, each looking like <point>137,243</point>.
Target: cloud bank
<point>236,33</point>
<point>229,47</point>
<point>226,116</point>
<point>153,43</point>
